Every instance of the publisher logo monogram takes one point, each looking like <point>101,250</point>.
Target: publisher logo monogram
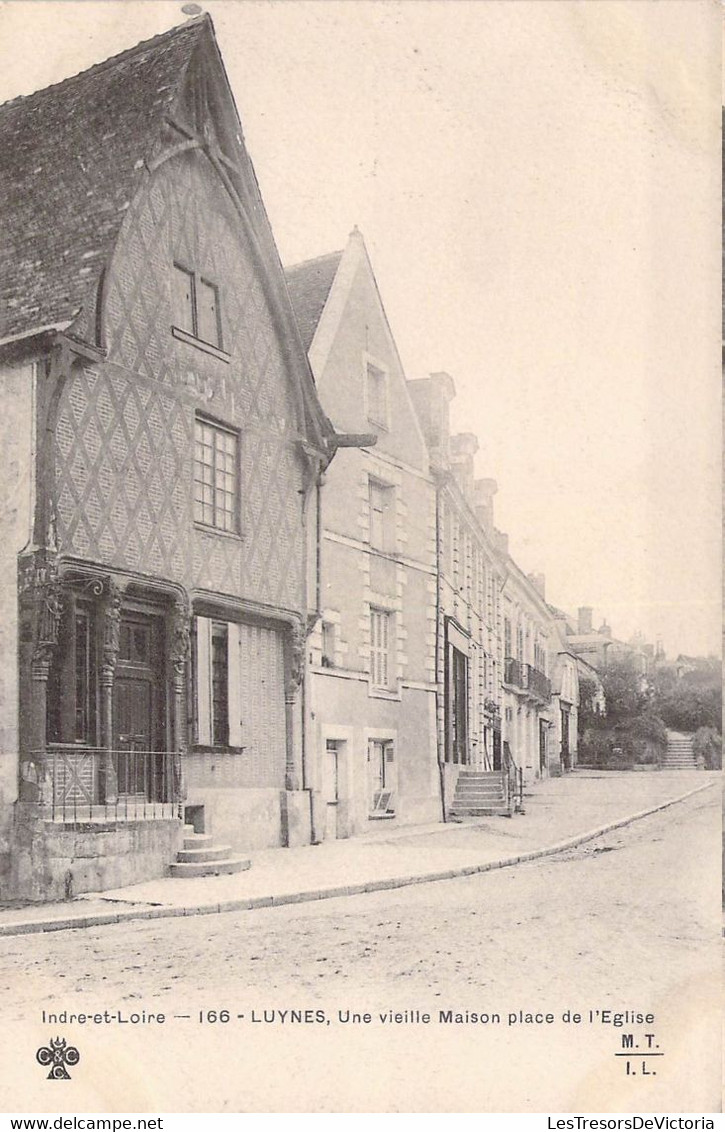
<point>58,1054</point>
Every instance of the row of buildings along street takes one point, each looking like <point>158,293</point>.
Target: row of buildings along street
<point>250,580</point>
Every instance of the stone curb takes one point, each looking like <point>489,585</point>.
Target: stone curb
<point>248,903</point>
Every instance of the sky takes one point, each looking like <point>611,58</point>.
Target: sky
<point>538,187</point>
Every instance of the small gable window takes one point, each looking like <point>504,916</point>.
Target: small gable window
<point>376,392</point>
<point>196,306</point>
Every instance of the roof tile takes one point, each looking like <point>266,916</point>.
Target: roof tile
<point>64,189</point>
<point>309,285</point>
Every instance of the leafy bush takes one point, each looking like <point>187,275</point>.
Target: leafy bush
<point>641,740</point>
<point>605,749</point>
<point>707,745</point>
<point>687,707</point>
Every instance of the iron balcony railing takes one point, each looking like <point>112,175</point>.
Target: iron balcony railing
<point>87,784</point>
<point>537,683</point>
<point>526,678</point>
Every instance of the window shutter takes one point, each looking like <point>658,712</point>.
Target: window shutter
<point>184,299</point>
<point>234,676</point>
<point>391,768</point>
<point>207,312</point>
<point>203,681</point>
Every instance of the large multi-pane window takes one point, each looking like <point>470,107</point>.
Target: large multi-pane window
<point>380,648</point>
<point>216,473</point>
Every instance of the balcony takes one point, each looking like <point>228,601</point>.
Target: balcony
<point>526,680</point>
<point>537,684</point>
<point>92,784</point>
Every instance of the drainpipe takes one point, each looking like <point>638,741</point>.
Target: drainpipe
<point>316,616</point>
<point>439,603</point>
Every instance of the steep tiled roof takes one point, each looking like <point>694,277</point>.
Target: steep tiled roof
<point>309,285</point>
<point>71,157</point>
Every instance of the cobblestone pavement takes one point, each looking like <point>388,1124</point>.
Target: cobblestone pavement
<point>628,922</point>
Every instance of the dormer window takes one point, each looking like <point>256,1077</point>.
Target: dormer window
<point>196,306</point>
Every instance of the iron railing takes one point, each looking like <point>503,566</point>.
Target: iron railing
<point>527,679</point>
<point>87,784</point>
<point>537,683</point>
<point>513,780</point>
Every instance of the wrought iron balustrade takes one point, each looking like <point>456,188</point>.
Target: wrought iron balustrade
<point>537,683</point>
<point>526,678</point>
<point>88,784</point>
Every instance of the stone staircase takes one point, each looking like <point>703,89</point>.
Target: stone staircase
<point>679,755</point>
<point>200,857</point>
<point>479,793</point>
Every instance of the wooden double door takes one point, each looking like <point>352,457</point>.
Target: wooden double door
<point>139,709</point>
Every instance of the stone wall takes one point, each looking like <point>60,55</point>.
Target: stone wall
<point>56,862</point>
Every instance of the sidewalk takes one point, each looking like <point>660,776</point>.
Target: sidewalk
<point>560,812</point>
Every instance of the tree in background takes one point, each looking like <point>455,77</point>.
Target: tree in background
<point>692,701</point>
<point>630,731</point>
<point>707,747</point>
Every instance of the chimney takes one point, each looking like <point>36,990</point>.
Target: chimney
<point>502,541</point>
<point>538,581</point>
<point>431,397</point>
<point>584,619</point>
<point>483,493</point>
<point>605,629</point>
<point>463,447</point>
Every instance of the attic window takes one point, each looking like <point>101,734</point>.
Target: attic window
<point>376,395</point>
<point>196,306</point>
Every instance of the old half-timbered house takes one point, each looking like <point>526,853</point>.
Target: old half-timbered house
<point>163,442</point>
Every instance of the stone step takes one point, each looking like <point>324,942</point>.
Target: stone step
<point>492,784</point>
<point>209,868</point>
<point>478,811</point>
<point>210,853</point>
<point>198,841</point>
<point>470,797</point>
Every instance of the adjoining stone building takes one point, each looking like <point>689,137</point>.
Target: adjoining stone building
<point>469,656</point>
<point>372,685</point>
<point>163,444</point>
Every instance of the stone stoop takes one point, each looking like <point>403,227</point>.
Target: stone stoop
<point>479,793</point>
<point>679,754</point>
<point>200,857</point>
